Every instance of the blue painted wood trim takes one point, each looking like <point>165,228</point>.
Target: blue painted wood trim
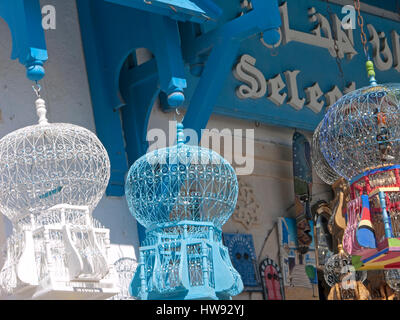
<point>24,19</point>
<point>210,84</point>
<point>223,44</point>
<point>197,11</point>
<point>373,171</point>
<point>107,120</point>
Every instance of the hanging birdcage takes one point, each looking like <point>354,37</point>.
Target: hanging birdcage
<point>360,139</point>
<point>183,195</point>
<point>125,269</point>
<point>338,268</point>
<point>361,132</point>
<point>321,166</point>
<point>392,278</point>
<point>51,178</point>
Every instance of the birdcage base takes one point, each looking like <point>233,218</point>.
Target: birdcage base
<point>66,291</point>
<point>386,256</point>
<point>62,292</point>
<point>198,293</point>
<point>185,261</point>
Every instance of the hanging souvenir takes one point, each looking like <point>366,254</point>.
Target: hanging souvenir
<point>243,256</point>
<point>183,195</point>
<point>52,175</point>
<point>345,282</point>
<point>298,269</point>
<point>125,269</point>
<point>302,173</point>
<point>392,278</point>
<point>360,139</point>
<point>272,280</point>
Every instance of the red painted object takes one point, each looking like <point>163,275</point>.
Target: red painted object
<point>272,283</point>
<point>272,280</point>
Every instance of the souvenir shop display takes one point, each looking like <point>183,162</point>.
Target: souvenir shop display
<point>360,140</point>
<point>302,173</point>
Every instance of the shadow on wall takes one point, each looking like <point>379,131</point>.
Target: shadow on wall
<point>122,230</point>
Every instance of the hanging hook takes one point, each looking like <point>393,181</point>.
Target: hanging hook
<point>178,114</point>
<point>274,51</point>
<point>37,89</point>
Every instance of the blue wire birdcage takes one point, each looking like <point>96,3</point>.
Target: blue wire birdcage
<point>183,195</point>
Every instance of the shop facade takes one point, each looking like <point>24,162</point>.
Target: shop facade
<point>255,87</point>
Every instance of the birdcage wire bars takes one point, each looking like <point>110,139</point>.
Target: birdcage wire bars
<point>183,195</point>
<point>52,175</point>
<point>45,165</point>
<point>179,183</point>
<point>392,278</point>
<point>340,265</point>
<point>361,131</point>
<point>320,165</point>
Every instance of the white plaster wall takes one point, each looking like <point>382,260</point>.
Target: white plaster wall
<point>66,91</point>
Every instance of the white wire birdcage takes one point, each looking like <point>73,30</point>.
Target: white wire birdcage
<point>49,164</point>
<point>51,178</point>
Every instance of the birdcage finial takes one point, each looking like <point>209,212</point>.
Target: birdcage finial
<point>41,111</point>
<point>180,136</point>
<point>371,72</point>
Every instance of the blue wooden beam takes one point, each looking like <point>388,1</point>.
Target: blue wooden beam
<point>202,103</point>
<point>108,40</point>
<point>217,50</point>
<point>169,58</point>
<point>180,10</point>
<point>24,19</point>
<point>140,92</point>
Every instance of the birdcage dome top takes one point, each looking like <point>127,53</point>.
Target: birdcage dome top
<point>182,182</point>
<point>361,131</point>
<point>321,166</point>
<point>48,164</point>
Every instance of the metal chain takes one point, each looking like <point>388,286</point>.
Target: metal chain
<point>360,22</point>
<point>336,46</point>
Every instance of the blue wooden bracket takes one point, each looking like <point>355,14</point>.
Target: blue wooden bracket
<point>180,10</point>
<point>212,54</point>
<point>123,95</point>
<point>24,19</point>
<point>107,40</point>
<point>139,86</point>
